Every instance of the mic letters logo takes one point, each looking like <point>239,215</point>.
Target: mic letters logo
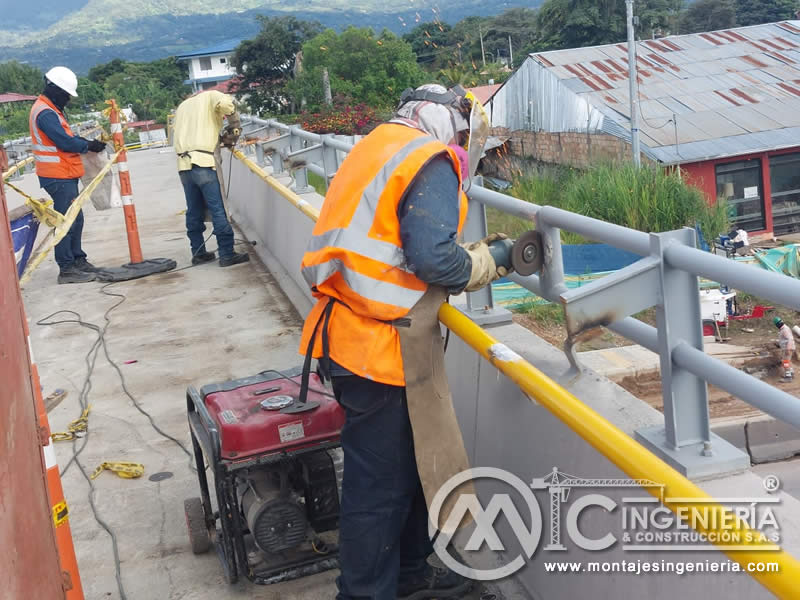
<point>485,518</point>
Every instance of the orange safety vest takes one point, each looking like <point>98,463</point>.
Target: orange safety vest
<point>50,161</point>
<point>356,255</point>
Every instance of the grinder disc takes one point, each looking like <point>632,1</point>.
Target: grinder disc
<point>527,255</point>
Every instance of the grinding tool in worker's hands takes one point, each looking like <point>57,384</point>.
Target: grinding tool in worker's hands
<point>525,255</point>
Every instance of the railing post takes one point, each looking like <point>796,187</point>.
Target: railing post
<point>480,305</point>
<point>551,277</point>
<point>301,174</point>
<point>330,161</point>
<point>686,440</point>
<point>259,154</point>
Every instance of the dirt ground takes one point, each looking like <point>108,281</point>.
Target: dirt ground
<point>758,334</point>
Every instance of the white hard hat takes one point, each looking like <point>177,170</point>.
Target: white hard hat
<point>63,78</point>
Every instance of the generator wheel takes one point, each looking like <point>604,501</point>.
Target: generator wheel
<point>196,524</point>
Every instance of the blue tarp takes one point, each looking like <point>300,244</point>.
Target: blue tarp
<point>23,236</point>
<point>580,259</point>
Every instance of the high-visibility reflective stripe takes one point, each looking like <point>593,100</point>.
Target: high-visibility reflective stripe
<point>47,159</point>
<point>34,124</point>
<point>368,205</point>
<point>366,287</point>
<point>50,456</point>
<point>354,237</point>
<point>358,242</point>
<point>127,200</point>
<point>116,127</point>
<point>42,148</point>
<point>123,167</point>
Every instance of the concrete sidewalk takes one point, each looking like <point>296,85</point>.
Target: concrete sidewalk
<point>191,327</point>
<point>618,363</point>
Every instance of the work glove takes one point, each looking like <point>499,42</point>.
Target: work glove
<point>96,146</point>
<point>484,270</point>
<point>232,131</point>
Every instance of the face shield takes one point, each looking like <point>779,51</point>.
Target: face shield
<point>478,133</point>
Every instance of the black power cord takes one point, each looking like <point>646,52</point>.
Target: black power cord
<point>91,360</point>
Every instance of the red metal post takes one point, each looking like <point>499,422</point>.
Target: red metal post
<point>29,550</point>
<point>126,191</point>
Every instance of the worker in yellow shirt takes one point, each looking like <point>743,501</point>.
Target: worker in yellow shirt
<point>196,137</point>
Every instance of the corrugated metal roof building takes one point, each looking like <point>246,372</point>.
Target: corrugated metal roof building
<point>724,105</point>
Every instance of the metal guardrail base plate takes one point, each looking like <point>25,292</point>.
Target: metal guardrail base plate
<point>725,458</point>
<point>486,317</point>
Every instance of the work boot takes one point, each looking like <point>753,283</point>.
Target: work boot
<point>433,582</point>
<point>234,259</point>
<point>203,257</point>
<point>84,265</point>
<point>72,274</point>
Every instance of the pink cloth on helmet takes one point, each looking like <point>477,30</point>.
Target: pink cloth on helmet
<point>463,159</point>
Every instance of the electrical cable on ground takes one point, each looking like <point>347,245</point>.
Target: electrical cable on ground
<point>91,360</point>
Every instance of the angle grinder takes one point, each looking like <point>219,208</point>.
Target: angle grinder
<point>525,254</point>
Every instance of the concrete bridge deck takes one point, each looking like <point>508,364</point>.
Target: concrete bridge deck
<point>205,324</point>
<point>193,326</point>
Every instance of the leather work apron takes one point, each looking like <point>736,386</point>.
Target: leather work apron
<point>438,443</point>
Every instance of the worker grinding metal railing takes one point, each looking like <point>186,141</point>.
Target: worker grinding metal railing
<point>529,256</point>
<point>197,141</point>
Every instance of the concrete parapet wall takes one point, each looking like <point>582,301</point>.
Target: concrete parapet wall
<point>503,429</point>
<point>278,228</point>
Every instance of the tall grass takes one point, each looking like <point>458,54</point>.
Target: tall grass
<point>649,198</point>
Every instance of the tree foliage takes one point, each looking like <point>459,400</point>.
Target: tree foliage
<point>152,89</point>
<point>430,42</point>
<point>20,78</point>
<point>361,65</point>
<point>265,63</point>
<point>709,15</point>
<point>575,23</point>
<point>754,12</point>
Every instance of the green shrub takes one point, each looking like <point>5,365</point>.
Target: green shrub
<point>650,198</point>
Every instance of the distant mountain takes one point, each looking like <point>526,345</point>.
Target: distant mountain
<point>82,33</point>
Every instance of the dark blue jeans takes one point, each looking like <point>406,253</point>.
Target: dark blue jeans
<point>383,527</point>
<point>63,192</point>
<point>202,190</point>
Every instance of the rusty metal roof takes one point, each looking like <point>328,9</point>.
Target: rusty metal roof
<point>728,87</point>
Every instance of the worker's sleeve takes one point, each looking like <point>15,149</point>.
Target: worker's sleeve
<point>48,122</point>
<point>224,105</point>
<point>429,225</point>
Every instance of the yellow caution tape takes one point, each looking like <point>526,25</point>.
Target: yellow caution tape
<point>69,217</point>
<point>79,425</point>
<point>126,470</point>
<point>42,209</point>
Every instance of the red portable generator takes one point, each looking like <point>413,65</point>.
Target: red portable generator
<point>276,461</point>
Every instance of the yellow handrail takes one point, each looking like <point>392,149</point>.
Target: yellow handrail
<point>630,456</point>
<point>626,453</point>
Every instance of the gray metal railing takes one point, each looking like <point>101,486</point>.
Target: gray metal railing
<point>666,277</point>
